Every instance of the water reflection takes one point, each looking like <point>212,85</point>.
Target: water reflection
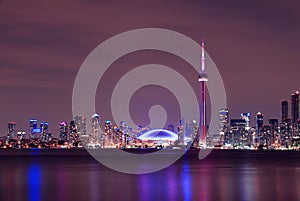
<point>249,177</point>
<point>144,188</point>
<point>247,186</point>
<point>34,182</point>
<point>186,181</point>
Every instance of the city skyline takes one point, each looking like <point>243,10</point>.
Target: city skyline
<point>42,51</point>
<point>285,114</point>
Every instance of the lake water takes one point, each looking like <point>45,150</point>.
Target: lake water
<point>64,175</point>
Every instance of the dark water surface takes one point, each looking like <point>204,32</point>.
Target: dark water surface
<point>65,175</point>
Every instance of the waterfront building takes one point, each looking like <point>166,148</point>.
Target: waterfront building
<point>108,133</point>
<point>44,128</point>
<point>284,110</point>
<point>63,131</point>
<point>295,107</point>
<point>237,136</point>
<point>80,125</point>
<point>95,135</point>
<point>181,133</point>
<point>274,131</point>
<point>286,133</point>
<point>265,137</point>
<point>73,136</point>
<point>11,131</point>
<point>192,126</point>
<point>246,117</point>
<point>21,135</point>
<point>125,132</point>
<point>223,123</point>
<point>34,130</point>
<point>259,126</point>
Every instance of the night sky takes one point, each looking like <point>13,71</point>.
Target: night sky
<point>255,45</point>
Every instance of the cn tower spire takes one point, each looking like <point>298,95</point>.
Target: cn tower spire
<point>203,57</point>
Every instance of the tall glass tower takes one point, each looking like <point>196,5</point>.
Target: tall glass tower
<point>295,107</point>
<point>33,124</point>
<point>11,130</point>
<point>94,139</point>
<point>246,117</point>
<point>223,121</point>
<point>44,131</point>
<point>259,121</point>
<point>80,125</point>
<point>63,131</point>
<point>284,110</point>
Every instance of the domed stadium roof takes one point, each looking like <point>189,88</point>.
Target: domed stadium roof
<point>159,135</point>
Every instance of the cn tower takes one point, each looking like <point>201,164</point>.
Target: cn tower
<point>202,79</point>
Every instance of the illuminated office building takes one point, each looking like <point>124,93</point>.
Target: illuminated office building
<point>34,130</point>
<point>73,136</point>
<point>80,124</point>
<point>246,117</point>
<point>125,133</point>
<point>286,132</point>
<point>11,131</point>
<point>108,133</point>
<point>21,135</point>
<point>295,107</point>
<point>237,134</point>
<point>223,120</point>
<point>63,131</point>
<point>44,131</point>
<point>274,130</point>
<point>95,135</point>
<point>259,126</point>
<point>284,110</point>
<point>295,113</point>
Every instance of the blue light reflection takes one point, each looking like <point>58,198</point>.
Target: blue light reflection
<point>34,182</point>
<point>186,182</point>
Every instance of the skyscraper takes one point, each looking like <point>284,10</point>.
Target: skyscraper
<point>125,133</point>
<point>259,127</point>
<point>284,110</point>
<point>95,136</point>
<point>203,79</point>
<point>11,130</point>
<point>274,130</point>
<point>108,132</point>
<point>259,120</point>
<point>246,117</point>
<point>194,129</point>
<point>63,131</point>
<point>73,136</point>
<point>295,107</point>
<point>44,131</point>
<point>34,130</point>
<point>223,123</point>
<point>80,124</point>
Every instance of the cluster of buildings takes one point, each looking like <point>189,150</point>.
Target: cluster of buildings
<point>281,133</point>
<point>74,134</point>
<point>235,133</point>
<point>39,136</point>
